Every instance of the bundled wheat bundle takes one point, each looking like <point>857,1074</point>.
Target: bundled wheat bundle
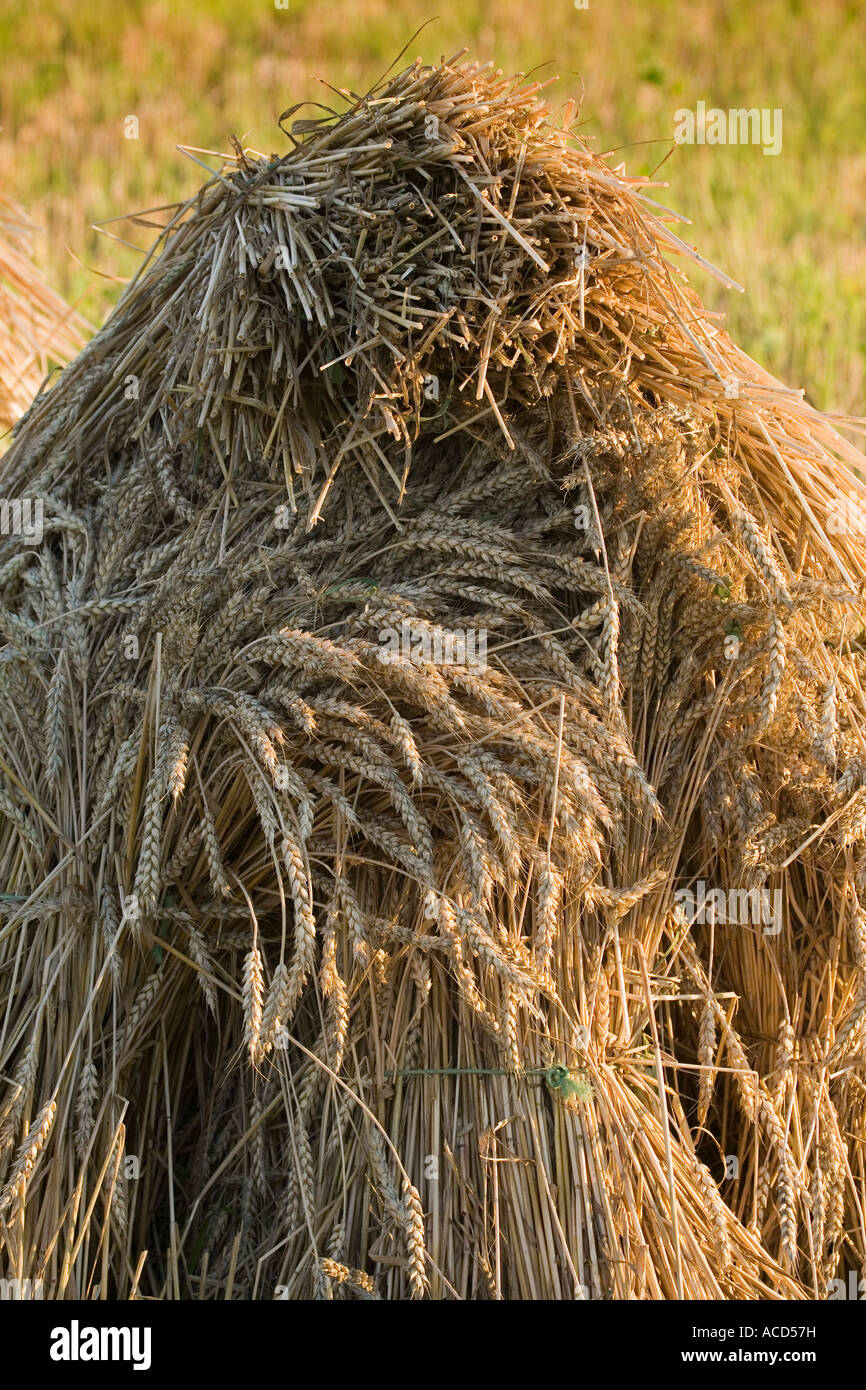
<point>36,328</point>
<point>430,600</point>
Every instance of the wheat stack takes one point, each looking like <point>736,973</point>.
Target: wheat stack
<point>334,969</point>
<point>37,330</point>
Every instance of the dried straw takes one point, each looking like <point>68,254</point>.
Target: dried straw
<point>37,330</point>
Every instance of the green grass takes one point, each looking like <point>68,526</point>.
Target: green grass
<point>790,229</point>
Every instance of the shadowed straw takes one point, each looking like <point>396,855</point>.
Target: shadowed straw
<point>417,620</point>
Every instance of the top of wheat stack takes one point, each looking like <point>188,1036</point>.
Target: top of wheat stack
<point>36,327</point>
<point>438,253</point>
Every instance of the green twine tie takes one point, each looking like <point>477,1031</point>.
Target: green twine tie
<point>566,1086</point>
<point>559,1079</point>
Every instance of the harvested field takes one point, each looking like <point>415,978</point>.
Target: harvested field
<point>435,610</point>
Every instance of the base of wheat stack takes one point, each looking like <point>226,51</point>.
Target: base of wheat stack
<point>426,626</point>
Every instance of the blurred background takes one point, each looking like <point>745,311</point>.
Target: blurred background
<point>791,229</point>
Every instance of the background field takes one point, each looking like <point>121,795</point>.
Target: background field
<point>791,229</point>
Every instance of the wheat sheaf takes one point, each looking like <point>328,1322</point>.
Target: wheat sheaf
<point>336,969</point>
